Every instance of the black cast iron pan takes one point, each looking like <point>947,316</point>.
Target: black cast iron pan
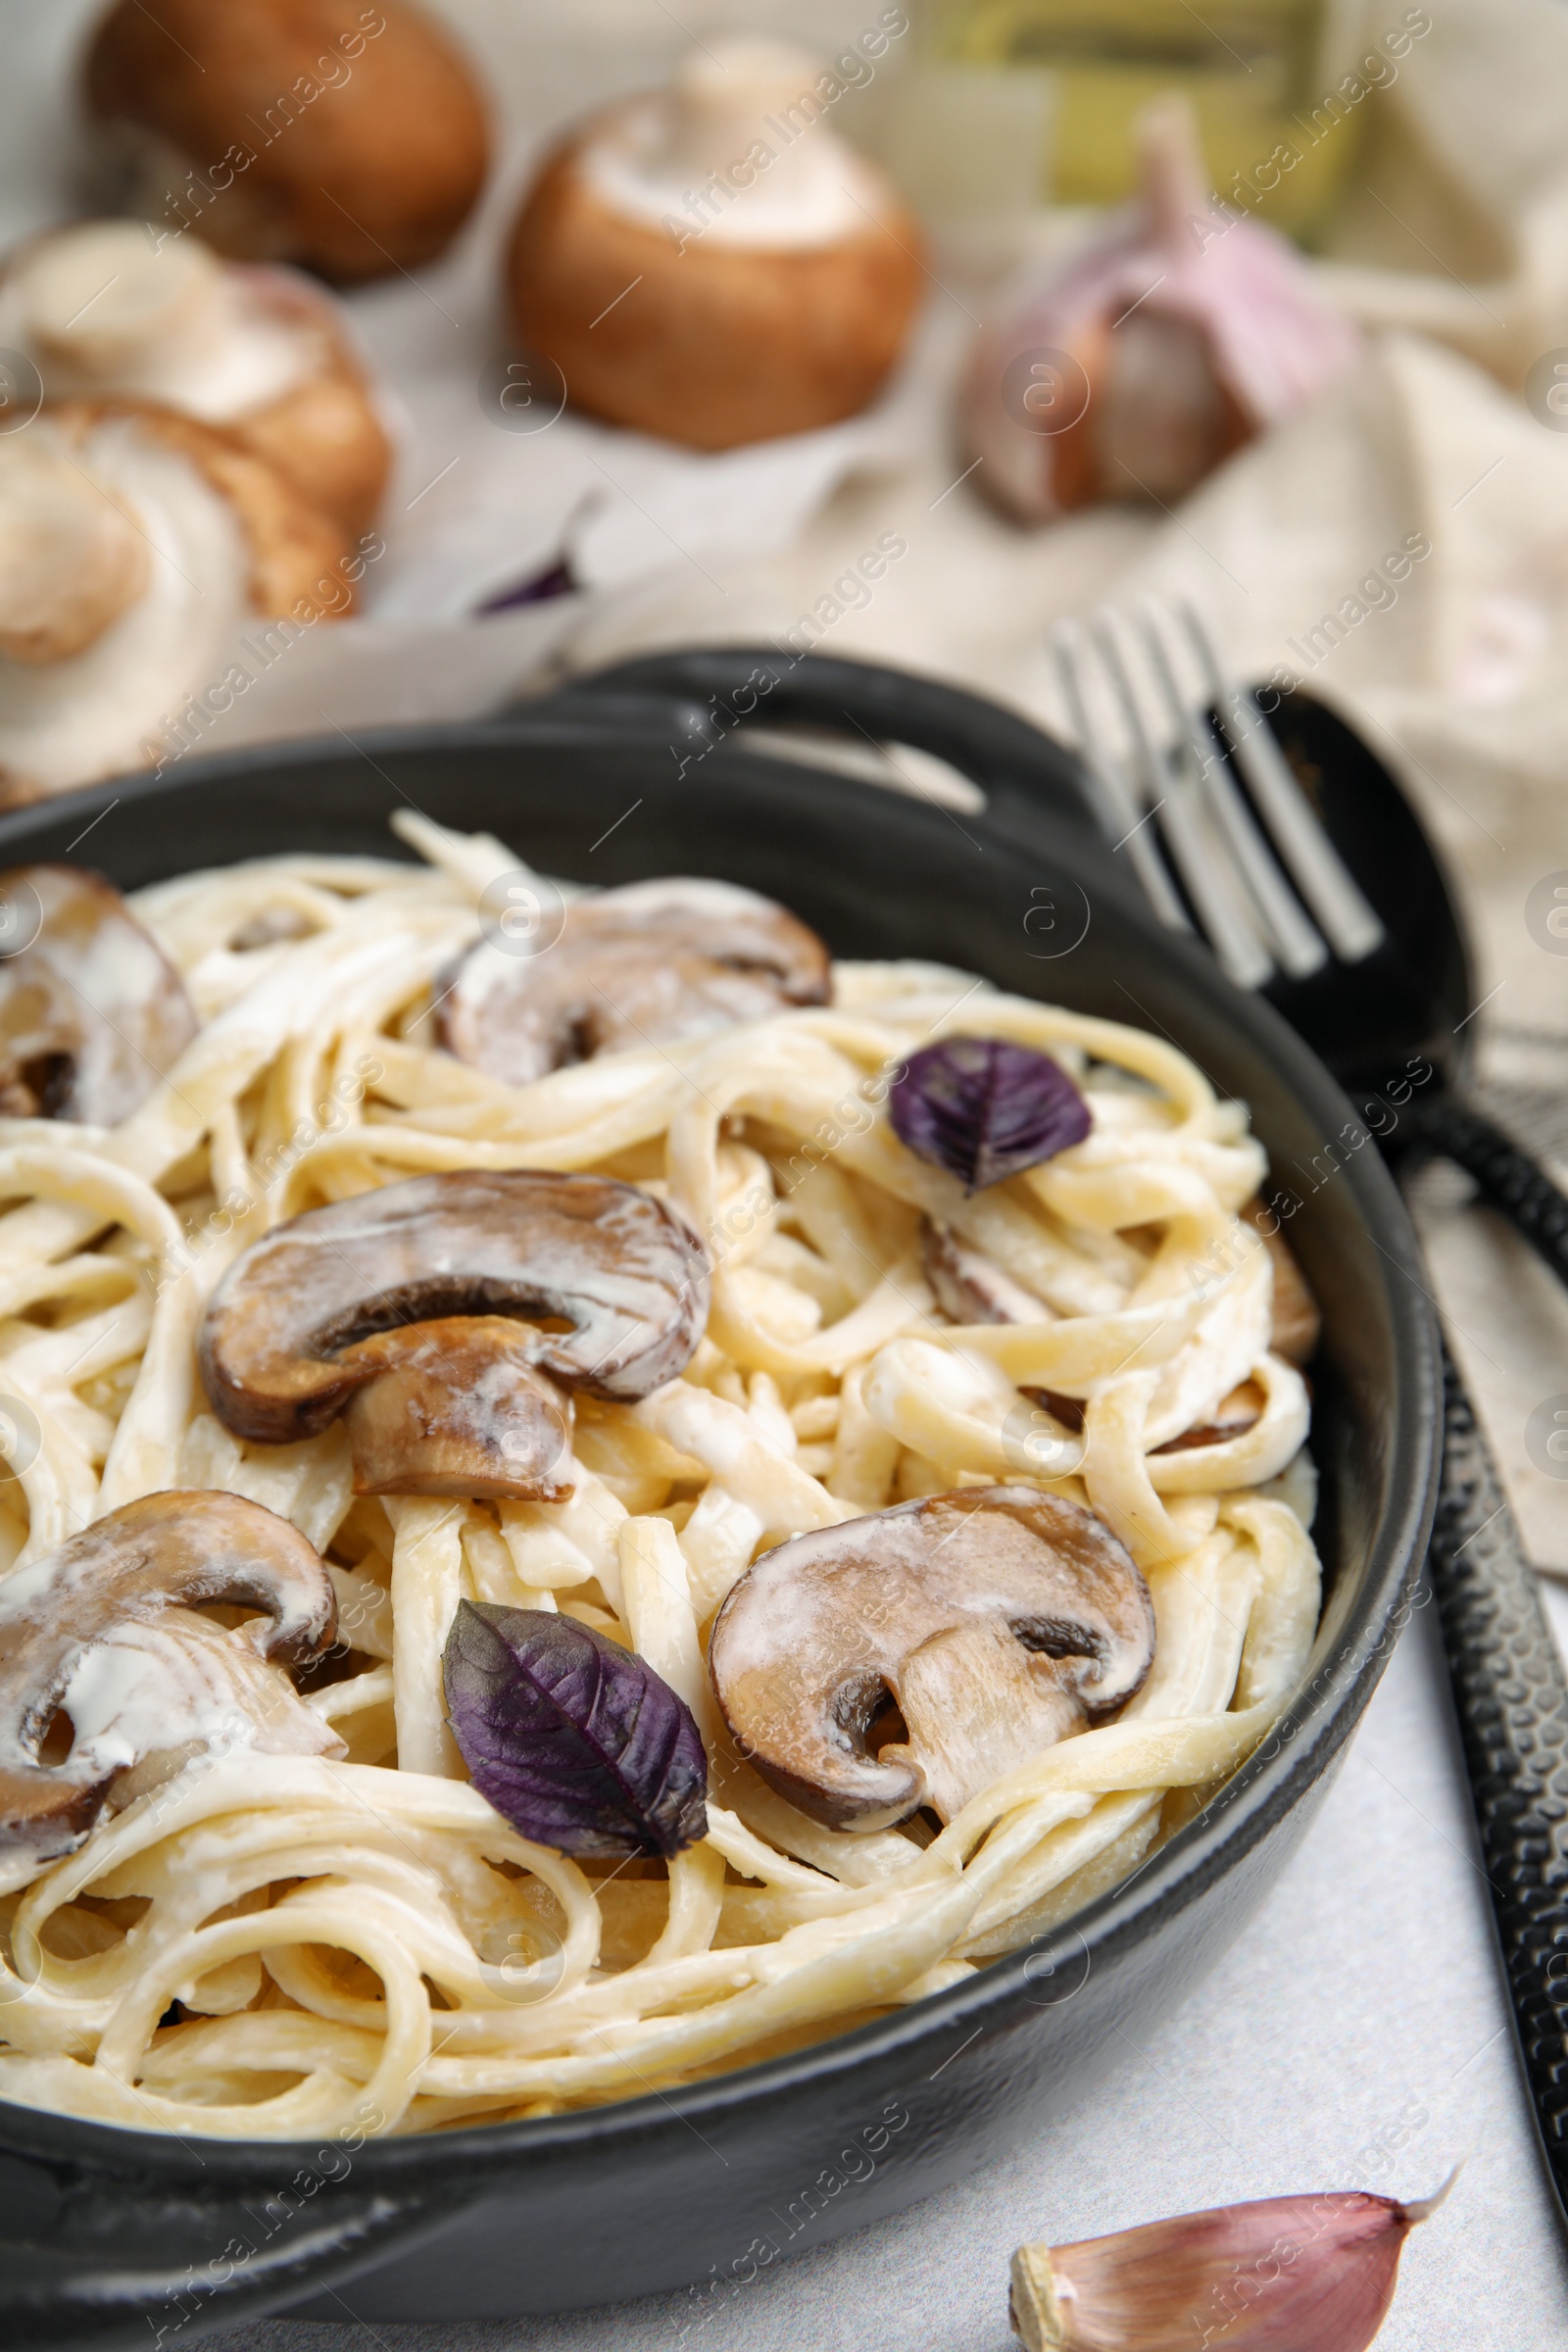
<point>110,2237</point>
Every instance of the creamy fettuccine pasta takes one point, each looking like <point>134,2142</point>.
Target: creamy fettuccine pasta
<point>336,1932</point>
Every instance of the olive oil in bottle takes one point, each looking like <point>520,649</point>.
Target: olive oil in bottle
<point>1271,82</point>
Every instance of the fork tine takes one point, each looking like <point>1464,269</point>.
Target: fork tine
<point>1132,823</point>
<point>1291,935</point>
<point>1350,923</point>
<point>1224,919</point>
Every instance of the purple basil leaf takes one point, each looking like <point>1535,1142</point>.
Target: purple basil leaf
<point>574,1741</point>
<point>982,1108</point>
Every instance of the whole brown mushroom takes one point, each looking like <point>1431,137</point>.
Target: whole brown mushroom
<point>103,310</point>
<point>351,139</point>
<point>711,263</point>
<point>136,545</point>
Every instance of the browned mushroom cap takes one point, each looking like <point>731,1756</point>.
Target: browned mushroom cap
<point>592,1282</point>
<point>643,965</point>
<point>92,1013</point>
<point>998,1620</point>
<point>168,1553</point>
<point>354,139</point>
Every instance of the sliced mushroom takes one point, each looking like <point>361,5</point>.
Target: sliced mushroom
<point>1234,1416</point>
<point>448,1309</point>
<point>998,1620</point>
<point>643,965</point>
<point>92,1013</point>
<point>971,1287</point>
<point>101,1628</point>
<point>1298,1325</point>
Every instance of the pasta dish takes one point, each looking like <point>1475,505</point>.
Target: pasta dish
<point>594,1495</point>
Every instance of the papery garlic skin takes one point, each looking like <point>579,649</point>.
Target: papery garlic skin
<point>1313,2274</point>
<point>1175,334</point>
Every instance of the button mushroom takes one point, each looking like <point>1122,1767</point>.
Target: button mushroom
<point>92,1013</point>
<point>453,1316</point>
<point>135,544</point>
<point>101,1631</point>
<point>352,140</point>
<point>99,307</point>
<point>711,263</point>
<point>642,965</point>
<point>997,1620</point>
<point>971,1287</point>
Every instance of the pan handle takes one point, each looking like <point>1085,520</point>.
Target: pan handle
<point>708,691</point>
<point>109,2249</point>
<point>1512,1704</point>
<point>1509,1180</point>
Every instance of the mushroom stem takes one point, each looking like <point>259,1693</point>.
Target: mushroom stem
<point>103,296</point>
<point>461,1411</point>
<point>71,560</point>
<point>719,101</point>
<point>974,1708</point>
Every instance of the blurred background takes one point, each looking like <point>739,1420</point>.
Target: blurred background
<point>1317,313</point>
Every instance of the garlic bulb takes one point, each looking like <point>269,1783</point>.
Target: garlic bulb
<point>1313,2274</point>
<point>135,545</point>
<point>111,308</point>
<point>1137,363</point>
<point>711,262</point>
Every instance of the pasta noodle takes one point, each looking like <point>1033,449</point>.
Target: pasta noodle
<point>364,1944</point>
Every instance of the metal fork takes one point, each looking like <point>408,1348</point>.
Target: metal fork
<point>1182,817</point>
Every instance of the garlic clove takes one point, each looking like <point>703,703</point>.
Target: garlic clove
<point>1309,2274</point>
<point>1152,351</point>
